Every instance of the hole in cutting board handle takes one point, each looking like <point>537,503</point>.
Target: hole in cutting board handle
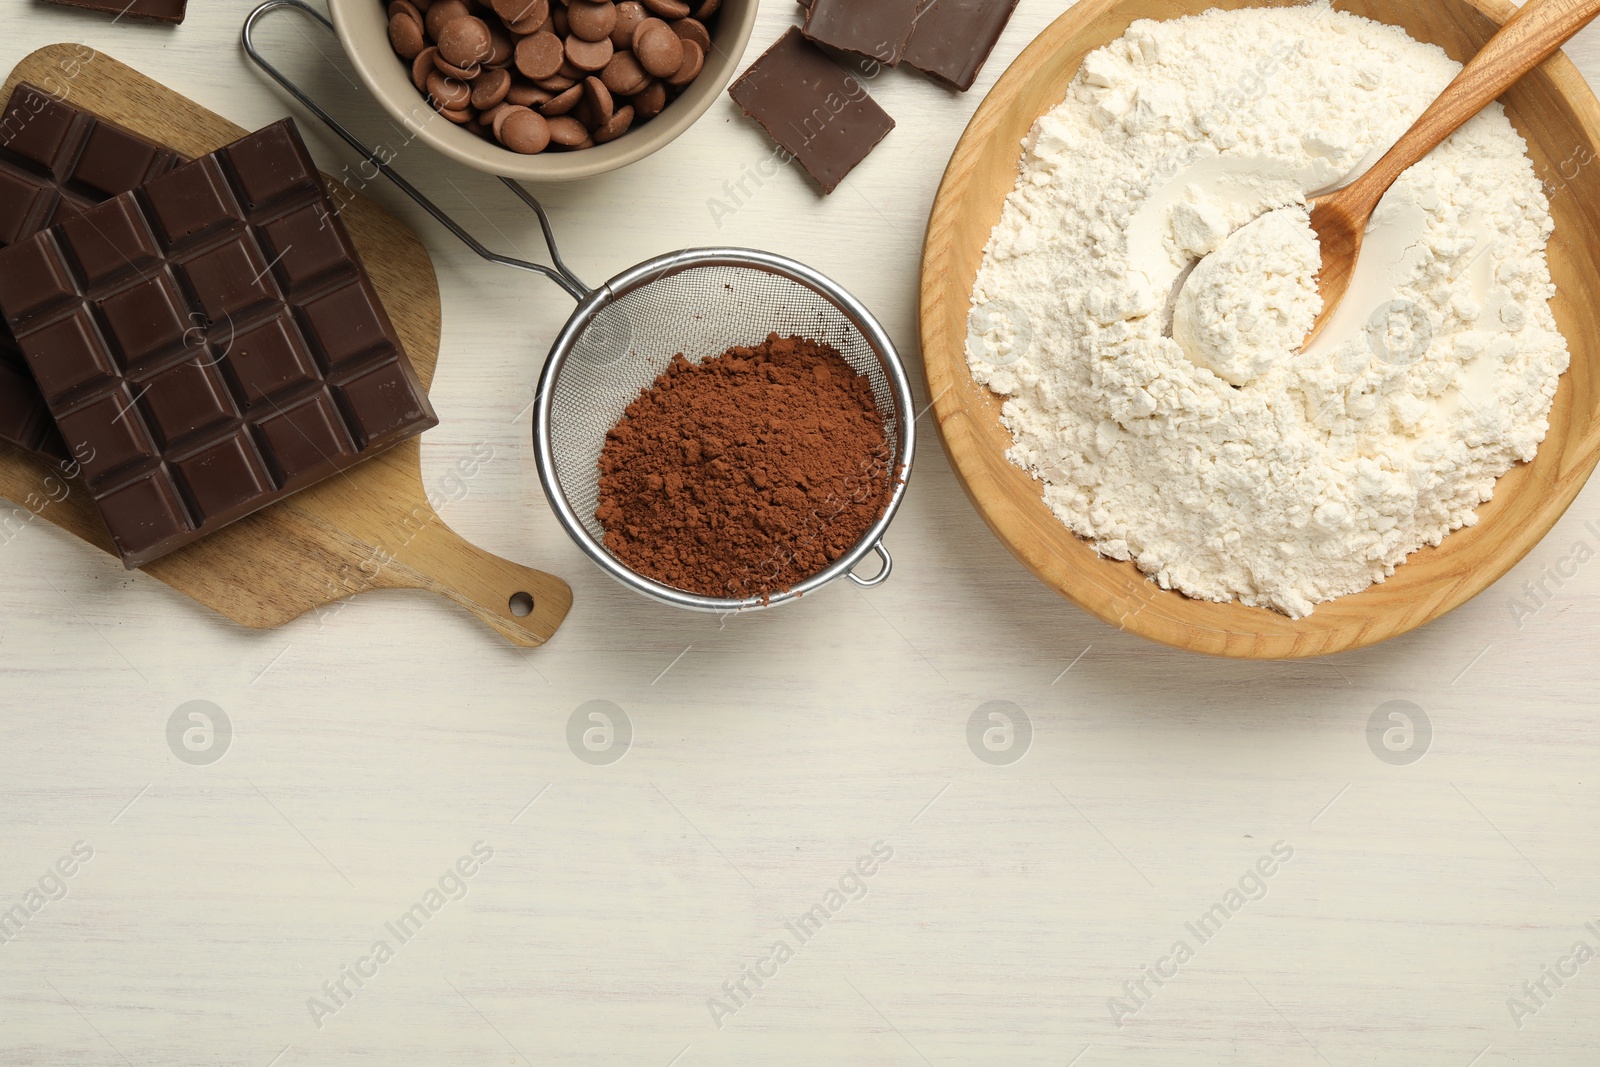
<point>520,605</point>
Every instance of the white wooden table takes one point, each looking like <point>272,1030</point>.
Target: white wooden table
<point>224,904</point>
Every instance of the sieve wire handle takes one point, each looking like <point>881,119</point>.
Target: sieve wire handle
<point>882,576</point>
<point>559,273</point>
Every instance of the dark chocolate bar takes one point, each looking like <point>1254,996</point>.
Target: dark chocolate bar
<point>877,29</point>
<point>56,161</point>
<point>953,38</point>
<point>815,110</point>
<point>210,343</point>
<point>146,10</point>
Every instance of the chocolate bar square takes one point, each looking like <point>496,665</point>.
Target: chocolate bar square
<point>953,38</point>
<point>269,359</point>
<point>198,370</point>
<point>144,10</point>
<point>815,110</point>
<point>56,161</point>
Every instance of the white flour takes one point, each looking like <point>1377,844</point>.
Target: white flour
<point>1322,470</point>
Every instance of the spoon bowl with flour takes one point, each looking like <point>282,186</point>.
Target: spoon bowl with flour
<point>1253,299</point>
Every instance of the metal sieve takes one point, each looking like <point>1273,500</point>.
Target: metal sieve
<point>699,302</point>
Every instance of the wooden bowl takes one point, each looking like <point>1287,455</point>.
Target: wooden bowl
<point>1553,109</point>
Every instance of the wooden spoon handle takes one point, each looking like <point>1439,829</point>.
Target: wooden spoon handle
<point>1532,36</point>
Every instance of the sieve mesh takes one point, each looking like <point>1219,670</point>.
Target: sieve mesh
<point>701,305</point>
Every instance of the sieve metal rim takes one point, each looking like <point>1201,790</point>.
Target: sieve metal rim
<point>665,266</point>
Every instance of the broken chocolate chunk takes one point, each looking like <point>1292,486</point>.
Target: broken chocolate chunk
<point>953,38</point>
<point>877,29</point>
<point>815,110</point>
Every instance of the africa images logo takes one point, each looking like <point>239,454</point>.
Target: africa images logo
<point>999,733</point>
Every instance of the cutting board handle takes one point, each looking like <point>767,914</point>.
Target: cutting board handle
<point>524,605</point>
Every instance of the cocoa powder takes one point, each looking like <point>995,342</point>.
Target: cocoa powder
<point>748,473</point>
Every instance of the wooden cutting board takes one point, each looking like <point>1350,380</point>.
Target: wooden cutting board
<point>369,529</point>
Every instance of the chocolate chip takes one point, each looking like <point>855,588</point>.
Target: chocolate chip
<point>616,126</point>
<point>629,14</point>
<point>422,66</point>
<point>527,95</point>
<point>465,42</point>
<point>693,30</point>
<point>502,47</point>
<point>500,116</point>
<point>562,103</point>
<point>405,35</point>
<point>449,92</point>
<point>524,132</point>
<point>660,51</point>
<point>441,14</point>
<point>598,97</point>
<point>589,55</point>
<point>624,76</point>
<point>490,88</point>
<point>450,70</point>
<point>648,103</point>
<point>689,69</point>
<point>648,23</point>
<point>533,25</point>
<point>567,131</point>
<point>592,21</point>
<point>540,55</point>
<point>519,10</point>
<point>668,9</point>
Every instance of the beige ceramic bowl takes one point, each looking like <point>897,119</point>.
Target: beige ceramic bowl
<point>363,27</point>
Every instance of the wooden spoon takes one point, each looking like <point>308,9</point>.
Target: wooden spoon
<point>1340,219</point>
